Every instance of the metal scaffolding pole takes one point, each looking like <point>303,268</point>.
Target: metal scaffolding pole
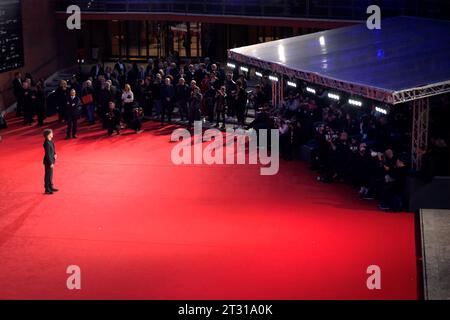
<point>274,94</point>
<point>281,88</point>
<point>277,93</point>
<point>421,111</point>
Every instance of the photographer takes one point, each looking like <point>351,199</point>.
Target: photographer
<point>325,137</point>
<point>298,138</point>
<point>360,164</point>
<point>230,86</point>
<point>220,106</point>
<point>112,119</point>
<point>392,193</point>
<point>194,106</point>
<point>291,106</point>
<point>209,101</point>
<point>350,125</point>
<point>341,150</point>
<point>240,96</point>
<point>285,138</point>
<point>353,157</point>
<point>137,114</point>
<point>380,165</point>
<point>258,98</point>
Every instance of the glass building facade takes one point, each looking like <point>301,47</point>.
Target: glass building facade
<point>143,39</point>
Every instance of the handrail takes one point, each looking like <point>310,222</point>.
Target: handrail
<point>36,70</point>
<point>324,9</point>
<point>41,66</point>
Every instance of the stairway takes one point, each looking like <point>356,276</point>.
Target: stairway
<point>52,82</point>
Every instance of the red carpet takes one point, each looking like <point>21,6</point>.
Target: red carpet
<point>142,228</point>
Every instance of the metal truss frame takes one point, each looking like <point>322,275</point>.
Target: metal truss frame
<point>277,93</point>
<point>382,95</point>
<point>421,113</point>
<point>419,96</point>
<point>421,92</point>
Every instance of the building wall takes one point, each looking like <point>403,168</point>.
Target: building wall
<point>48,45</point>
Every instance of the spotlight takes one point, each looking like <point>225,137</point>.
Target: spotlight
<point>355,102</point>
<point>231,65</point>
<point>381,110</point>
<point>273,78</point>
<point>245,69</point>
<point>258,74</point>
<point>311,90</point>
<point>292,84</point>
<point>322,40</point>
<point>333,96</point>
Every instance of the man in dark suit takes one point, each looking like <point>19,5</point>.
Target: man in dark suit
<point>97,71</point>
<point>18,88</point>
<point>200,74</point>
<point>240,103</point>
<point>28,98</point>
<point>182,96</point>
<point>167,97</point>
<point>107,93</point>
<point>73,112</point>
<point>49,161</point>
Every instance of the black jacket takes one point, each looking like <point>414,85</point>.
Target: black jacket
<point>105,96</point>
<point>49,157</point>
<point>73,108</point>
<point>61,97</point>
<point>94,74</point>
<point>17,85</point>
<point>113,118</point>
<point>241,99</point>
<point>167,91</point>
<point>182,93</point>
<point>27,100</point>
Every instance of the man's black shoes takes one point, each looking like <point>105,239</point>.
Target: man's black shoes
<point>55,190</point>
<point>48,192</point>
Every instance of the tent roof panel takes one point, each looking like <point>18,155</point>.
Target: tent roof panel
<point>406,53</point>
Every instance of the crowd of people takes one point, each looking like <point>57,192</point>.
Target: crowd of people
<point>361,146</point>
<point>30,97</point>
<point>357,145</point>
<point>123,97</point>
